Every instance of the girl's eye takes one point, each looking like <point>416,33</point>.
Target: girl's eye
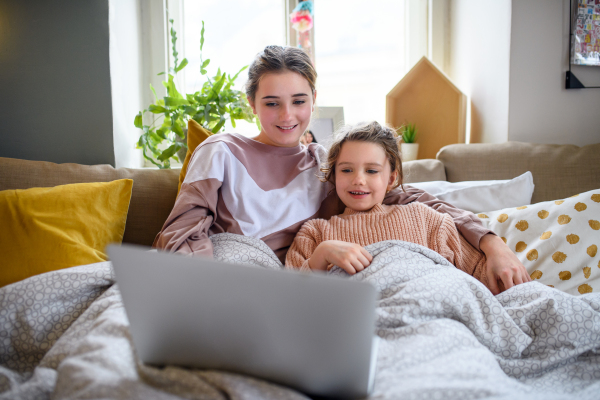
<point>271,104</point>
<point>299,101</point>
<point>346,170</point>
<point>372,171</point>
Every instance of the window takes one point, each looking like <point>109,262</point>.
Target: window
<point>360,55</point>
<point>235,31</point>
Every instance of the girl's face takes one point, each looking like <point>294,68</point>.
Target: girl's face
<point>283,103</point>
<point>363,175</point>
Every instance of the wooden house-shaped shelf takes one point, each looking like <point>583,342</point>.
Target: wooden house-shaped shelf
<point>426,97</point>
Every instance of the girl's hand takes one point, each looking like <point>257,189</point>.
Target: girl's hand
<point>503,266</point>
<point>351,257</point>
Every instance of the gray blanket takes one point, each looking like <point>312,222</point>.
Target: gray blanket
<point>442,334</point>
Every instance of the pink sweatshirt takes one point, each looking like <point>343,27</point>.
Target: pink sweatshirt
<point>414,223</point>
<point>238,185</point>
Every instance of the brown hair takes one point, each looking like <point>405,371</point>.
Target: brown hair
<point>371,132</point>
<point>277,59</point>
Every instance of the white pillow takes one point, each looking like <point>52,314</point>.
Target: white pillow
<point>476,196</point>
<point>557,241</point>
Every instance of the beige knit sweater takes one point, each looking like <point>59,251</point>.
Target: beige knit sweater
<point>414,222</point>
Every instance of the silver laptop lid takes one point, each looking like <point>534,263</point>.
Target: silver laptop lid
<point>308,331</point>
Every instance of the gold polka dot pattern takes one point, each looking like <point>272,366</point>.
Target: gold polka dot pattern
<point>482,216</point>
<point>532,255</point>
<point>564,219</point>
<point>537,274</point>
<point>572,239</point>
<point>585,288</point>
<point>522,225</point>
<point>564,275</point>
<point>559,257</point>
<point>557,241</point>
<point>546,235</point>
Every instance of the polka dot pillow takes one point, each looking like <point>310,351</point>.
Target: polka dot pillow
<point>557,241</point>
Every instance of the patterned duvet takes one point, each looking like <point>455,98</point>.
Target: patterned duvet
<point>442,335</point>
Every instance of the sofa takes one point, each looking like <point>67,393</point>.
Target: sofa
<point>558,171</point>
<point>43,353</point>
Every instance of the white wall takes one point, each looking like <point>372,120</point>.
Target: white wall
<point>126,79</point>
<point>541,109</point>
<point>478,63</point>
<point>478,51</point>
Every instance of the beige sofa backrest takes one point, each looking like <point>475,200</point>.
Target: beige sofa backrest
<point>152,198</point>
<point>558,171</point>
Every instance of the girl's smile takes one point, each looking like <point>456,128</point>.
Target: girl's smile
<point>284,103</point>
<point>362,175</point>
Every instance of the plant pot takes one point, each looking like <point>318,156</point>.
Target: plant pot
<point>409,151</point>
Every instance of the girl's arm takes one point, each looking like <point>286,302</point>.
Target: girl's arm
<point>502,263</point>
<point>186,229</point>
<point>310,253</point>
<point>467,223</point>
<point>303,247</point>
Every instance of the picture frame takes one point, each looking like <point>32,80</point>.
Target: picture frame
<point>325,122</point>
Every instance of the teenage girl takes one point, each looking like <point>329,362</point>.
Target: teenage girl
<point>267,186</point>
<point>364,164</point>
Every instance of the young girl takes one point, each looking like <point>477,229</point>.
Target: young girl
<point>267,186</point>
<point>365,165</point>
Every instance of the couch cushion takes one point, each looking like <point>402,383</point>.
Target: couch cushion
<point>423,171</point>
<point>46,229</point>
<point>152,199</point>
<point>558,171</point>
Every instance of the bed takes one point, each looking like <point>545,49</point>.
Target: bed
<point>64,332</point>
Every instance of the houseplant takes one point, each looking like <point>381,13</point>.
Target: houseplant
<point>211,107</point>
<point>408,147</point>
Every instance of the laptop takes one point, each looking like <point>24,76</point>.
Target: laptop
<point>311,332</point>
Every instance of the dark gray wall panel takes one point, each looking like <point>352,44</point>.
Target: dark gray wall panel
<point>55,94</point>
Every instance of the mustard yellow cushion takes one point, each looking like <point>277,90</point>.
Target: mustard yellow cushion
<point>196,134</point>
<point>557,241</point>
<point>45,229</point>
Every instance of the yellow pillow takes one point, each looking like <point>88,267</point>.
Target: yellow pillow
<point>45,229</point>
<point>557,241</point>
<point>196,134</point>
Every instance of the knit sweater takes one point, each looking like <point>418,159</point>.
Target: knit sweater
<point>414,222</point>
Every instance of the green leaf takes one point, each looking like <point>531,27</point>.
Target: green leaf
<point>205,64</point>
<point>171,102</point>
<point>218,127</point>
<point>161,73</point>
<point>169,152</point>
<point>156,109</point>
<point>202,37</point>
<point>153,91</point>
<point>182,65</point>
<point>203,71</point>
<point>138,120</point>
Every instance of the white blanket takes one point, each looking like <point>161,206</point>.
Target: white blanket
<point>65,334</point>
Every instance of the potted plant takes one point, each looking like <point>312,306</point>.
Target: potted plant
<point>408,147</point>
<point>165,139</point>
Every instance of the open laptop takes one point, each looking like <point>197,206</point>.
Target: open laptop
<point>311,332</point>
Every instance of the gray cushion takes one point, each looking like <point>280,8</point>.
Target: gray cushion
<point>152,199</point>
<point>558,171</point>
